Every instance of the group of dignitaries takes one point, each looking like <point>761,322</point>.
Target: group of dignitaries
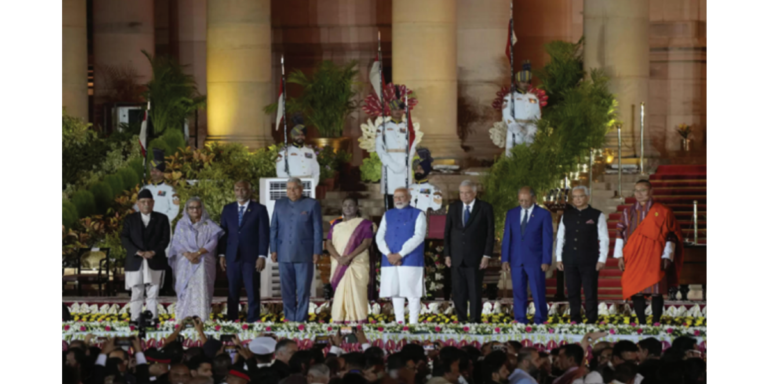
<point>648,246</point>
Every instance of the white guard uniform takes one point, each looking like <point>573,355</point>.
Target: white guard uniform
<point>521,129</point>
<point>425,195</point>
<point>302,163</point>
<point>392,155</point>
<point>166,200</point>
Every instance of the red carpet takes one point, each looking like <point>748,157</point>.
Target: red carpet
<point>676,186</point>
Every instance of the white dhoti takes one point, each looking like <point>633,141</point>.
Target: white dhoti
<point>400,283</point>
<point>135,281</point>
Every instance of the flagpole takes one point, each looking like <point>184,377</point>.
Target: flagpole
<point>407,141</point>
<point>380,58</point>
<point>285,120</point>
<point>512,67</point>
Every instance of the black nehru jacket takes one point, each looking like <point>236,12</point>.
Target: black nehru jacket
<point>155,237</point>
<point>581,236</point>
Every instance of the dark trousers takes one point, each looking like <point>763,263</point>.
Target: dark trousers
<point>576,277</point>
<point>390,200</point>
<point>467,285</point>
<point>241,273</point>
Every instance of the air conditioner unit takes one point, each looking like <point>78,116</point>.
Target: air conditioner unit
<point>270,190</point>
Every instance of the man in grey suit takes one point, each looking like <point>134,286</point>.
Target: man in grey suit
<point>296,237</point>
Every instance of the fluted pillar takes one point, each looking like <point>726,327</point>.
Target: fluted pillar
<point>424,58</point>
<point>74,60</point>
<point>616,40</point>
<point>239,59</point>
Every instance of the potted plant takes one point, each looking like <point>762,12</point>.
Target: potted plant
<point>326,100</point>
<point>684,130</point>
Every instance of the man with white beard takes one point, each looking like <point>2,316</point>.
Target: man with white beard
<point>402,246</point>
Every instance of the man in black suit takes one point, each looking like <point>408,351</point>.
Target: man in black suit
<point>469,239</point>
<point>145,236</point>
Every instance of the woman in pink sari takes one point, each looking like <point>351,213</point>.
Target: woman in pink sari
<point>348,243</point>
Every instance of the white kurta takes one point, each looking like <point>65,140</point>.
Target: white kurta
<point>402,281</point>
<point>522,128</point>
<point>425,195</point>
<point>392,155</point>
<point>302,163</point>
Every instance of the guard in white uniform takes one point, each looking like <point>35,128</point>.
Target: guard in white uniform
<point>391,146</point>
<point>166,199</point>
<point>301,159</point>
<point>424,195</point>
<point>521,128</point>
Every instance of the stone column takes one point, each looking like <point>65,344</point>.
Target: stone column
<point>239,59</point>
<point>424,58</point>
<point>616,40</point>
<point>188,37</point>
<point>74,60</point>
<point>121,30</point>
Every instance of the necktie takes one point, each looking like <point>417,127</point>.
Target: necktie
<point>240,215</point>
<point>466,214</point>
<point>524,223</point>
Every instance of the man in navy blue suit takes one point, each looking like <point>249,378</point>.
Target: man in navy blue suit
<point>526,250</point>
<point>243,249</point>
<point>296,235</point>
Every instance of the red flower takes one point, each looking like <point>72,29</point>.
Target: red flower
<point>82,328</point>
<point>107,328</point>
<point>632,324</point>
<point>245,327</point>
<point>268,329</point>
<point>696,332</point>
<point>380,329</point>
<point>177,326</point>
<point>217,327</point>
<point>66,327</point>
<point>656,324</point>
<point>329,329</point>
<point>497,330</point>
<point>639,331</point>
<point>551,330</point>
<point>301,327</point>
<point>528,329</point>
<point>405,329</point>
<point>237,320</point>
<point>158,325</point>
<point>132,328</point>
<point>670,330</point>
<point>437,329</point>
<point>466,329</point>
<point>612,331</point>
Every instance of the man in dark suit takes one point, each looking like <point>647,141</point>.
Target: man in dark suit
<point>526,250</point>
<point>145,236</point>
<point>469,239</point>
<point>243,249</point>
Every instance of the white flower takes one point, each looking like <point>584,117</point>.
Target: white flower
<point>438,276</point>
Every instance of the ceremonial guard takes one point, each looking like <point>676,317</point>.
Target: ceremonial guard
<point>424,195</point>
<point>392,146</point>
<point>521,123</point>
<point>166,199</point>
<point>298,160</point>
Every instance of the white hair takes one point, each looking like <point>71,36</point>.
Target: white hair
<point>583,188</point>
<point>295,180</point>
<point>404,189</point>
<point>469,183</point>
<point>319,370</point>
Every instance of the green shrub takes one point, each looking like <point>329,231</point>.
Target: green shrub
<point>174,139</point>
<point>102,195</point>
<point>68,206</point>
<point>115,183</point>
<point>137,165</point>
<point>370,171</point>
<point>84,202</point>
<point>68,214</point>
<point>129,177</point>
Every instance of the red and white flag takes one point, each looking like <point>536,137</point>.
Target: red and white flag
<point>375,77</point>
<point>143,134</point>
<point>280,106</point>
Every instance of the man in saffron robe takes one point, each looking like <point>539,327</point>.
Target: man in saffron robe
<point>649,246</point>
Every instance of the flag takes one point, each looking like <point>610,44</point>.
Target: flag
<point>280,106</point>
<point>511,41</point>
<point>375,77</point>
<point>146,125</point>
<point>411,134</point>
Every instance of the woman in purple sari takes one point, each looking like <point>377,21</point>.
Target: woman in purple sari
<point>193,260</point>
<point>348,243</point>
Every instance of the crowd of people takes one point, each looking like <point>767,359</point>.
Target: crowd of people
<point>269,360</point>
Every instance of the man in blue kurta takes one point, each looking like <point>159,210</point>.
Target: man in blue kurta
<point>526,249</point>
<point>296,237</point>
<point>401,241</point>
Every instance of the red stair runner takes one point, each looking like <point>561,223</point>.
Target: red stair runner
<point>676,186</point>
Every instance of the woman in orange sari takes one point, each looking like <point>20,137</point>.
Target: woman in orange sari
<point>348,243</point>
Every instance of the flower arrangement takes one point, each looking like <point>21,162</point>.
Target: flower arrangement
<point>684,130</point>
<point>434,268</point>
